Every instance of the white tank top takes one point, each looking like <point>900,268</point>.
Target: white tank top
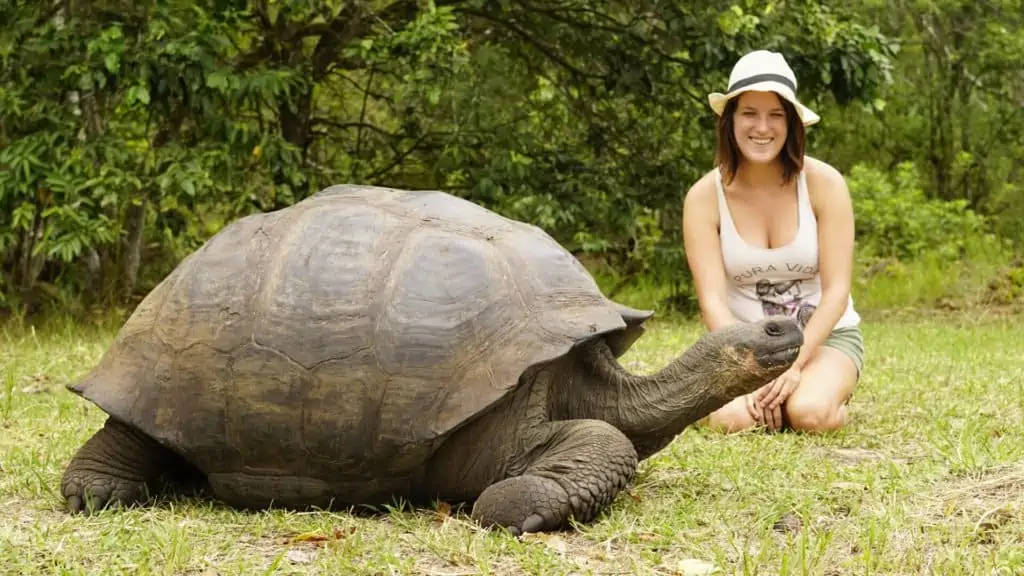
<point>771,281</point>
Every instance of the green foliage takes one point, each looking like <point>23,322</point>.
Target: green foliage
<point>1007,285</point>
<point>953,108</point>
<point>895,219</point>
<point>917,251</point>
<point>929,281</point>
<point>132,131</point>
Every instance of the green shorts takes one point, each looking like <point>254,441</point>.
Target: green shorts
<point>849,341</point>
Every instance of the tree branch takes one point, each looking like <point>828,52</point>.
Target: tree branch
<point>50,13</point>
<point>576,20</point>
<point>555,14</point>
<point>262,13</point>
<point>541,47</point>
<point>351,125</point>
<point>362,114</point>
<point>399,158</point>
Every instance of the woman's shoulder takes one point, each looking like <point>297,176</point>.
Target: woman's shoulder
<point>822,173</point>
<point>701,202</point>
<point>703,190</point>
<point>824,181</point>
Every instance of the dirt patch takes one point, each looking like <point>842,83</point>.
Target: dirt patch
<point>19,514</point>
<point>854,456</point>
<point>986,502</point>
<point>984,509</point>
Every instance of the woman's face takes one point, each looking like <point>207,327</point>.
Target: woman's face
<point>759,126</point>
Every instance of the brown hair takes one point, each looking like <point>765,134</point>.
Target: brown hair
<point>727,152</point>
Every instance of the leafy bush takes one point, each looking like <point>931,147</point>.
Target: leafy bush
<point>1007,286</point>
<point>918,251</point>
<point>895,219</point>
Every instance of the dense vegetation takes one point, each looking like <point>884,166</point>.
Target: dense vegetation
<point>130,131</point>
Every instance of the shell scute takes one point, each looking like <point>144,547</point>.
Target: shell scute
<point>346,335</point>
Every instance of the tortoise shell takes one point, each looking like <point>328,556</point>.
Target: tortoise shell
<point>351,331</point>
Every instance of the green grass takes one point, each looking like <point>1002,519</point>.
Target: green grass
<point>932,280</point>
<point>928,478</point>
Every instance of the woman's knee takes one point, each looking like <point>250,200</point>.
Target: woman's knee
<point>819,402</point>
<point>814,413</point>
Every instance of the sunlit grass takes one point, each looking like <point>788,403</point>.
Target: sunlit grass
<point>928,478</point>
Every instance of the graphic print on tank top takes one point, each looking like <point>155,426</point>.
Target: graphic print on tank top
<point>784,299</point>
<point>783,280</point>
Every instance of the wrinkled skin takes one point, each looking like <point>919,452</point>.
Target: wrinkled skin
<point>370,345</point>
<point>582,424</point>
<point>561,447</point>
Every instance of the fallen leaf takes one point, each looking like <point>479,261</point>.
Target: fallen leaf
<point>300,556</point>
<point>309,537</point>
<point>848,486</point>
<point>694,567</point>
<point>443,512</point>
<point>552,541</point>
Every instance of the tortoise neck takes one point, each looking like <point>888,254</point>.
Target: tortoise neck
<point>651,410</point>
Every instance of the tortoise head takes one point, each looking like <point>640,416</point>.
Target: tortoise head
<point>651,409</point>
<point>742,357</point>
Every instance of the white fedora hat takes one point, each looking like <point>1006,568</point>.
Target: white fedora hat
<point>763,70</point>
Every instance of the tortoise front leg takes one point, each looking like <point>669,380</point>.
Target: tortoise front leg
<point>118,465</point>
<point>574,473</point>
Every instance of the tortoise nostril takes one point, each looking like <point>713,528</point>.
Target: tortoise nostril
<point>773,329</point>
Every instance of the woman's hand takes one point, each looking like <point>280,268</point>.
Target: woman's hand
<point>772,418</point>
<point>764,415</point>
<point>778,391</point>
<point>753,407</point>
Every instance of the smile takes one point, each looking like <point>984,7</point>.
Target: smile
<point>761,141</point>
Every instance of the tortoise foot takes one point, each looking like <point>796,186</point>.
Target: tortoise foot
<point>87,491</point>
<point>584,464</point>
<point>116,467</point>
<point>523,504</point>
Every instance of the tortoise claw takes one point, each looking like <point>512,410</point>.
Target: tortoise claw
<point>87,505</point>
<point>534,523</point>
<point>74,504</point>
<point>523,504</point>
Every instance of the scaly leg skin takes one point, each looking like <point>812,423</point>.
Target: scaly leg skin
<point>578,471</point>
<point>118,466</point>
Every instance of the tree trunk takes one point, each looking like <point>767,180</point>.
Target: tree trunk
<point>31,265</point>
<point>296,117</point>
<point>131,248</point>
<point>295,122</point>
<point>88,106</point>
<point>135,215</point>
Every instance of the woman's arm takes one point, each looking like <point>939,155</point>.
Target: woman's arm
<point>704,254</point>
<point>833,208</point>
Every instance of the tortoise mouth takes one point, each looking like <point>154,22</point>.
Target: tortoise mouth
<point>777,358</point>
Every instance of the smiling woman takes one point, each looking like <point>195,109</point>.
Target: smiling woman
<point>769,231</point>
<point>780,137</point>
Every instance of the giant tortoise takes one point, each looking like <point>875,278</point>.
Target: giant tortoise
<point>369,345</point>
